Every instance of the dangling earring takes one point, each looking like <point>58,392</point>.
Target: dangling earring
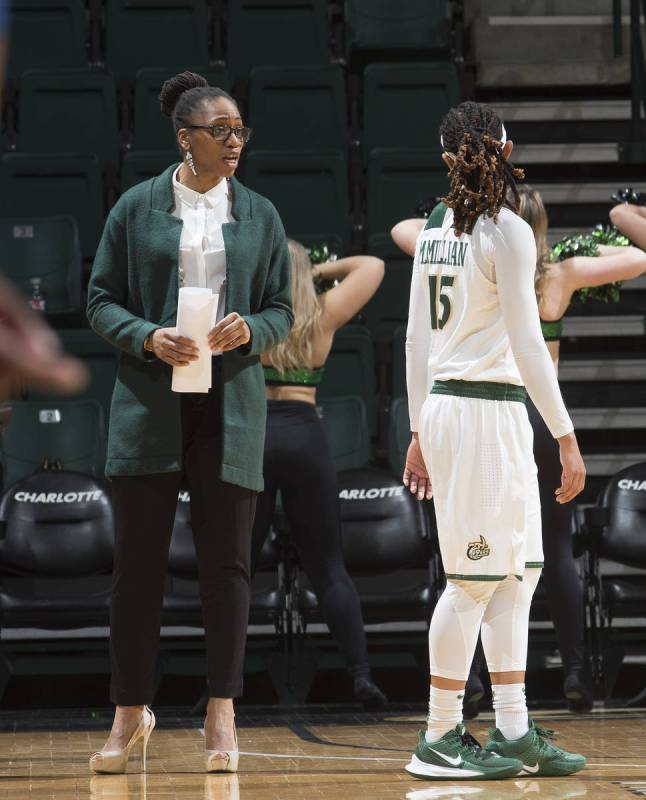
<point>190,162</point>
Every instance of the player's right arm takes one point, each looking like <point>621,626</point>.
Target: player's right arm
<point>418,333</point>
<point>514,257</point>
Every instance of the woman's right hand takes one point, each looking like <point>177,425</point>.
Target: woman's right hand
<point>173,349</point>
<point>573,476</point>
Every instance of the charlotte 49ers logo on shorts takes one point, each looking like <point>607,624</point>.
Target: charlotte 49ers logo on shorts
<point>478,550</point>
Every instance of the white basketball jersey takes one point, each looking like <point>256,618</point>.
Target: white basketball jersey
<point>468,338</point>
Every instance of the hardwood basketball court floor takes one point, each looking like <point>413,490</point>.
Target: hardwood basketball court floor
<point>303,754</point>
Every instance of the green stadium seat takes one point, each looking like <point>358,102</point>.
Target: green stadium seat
<point>137,167</point>
<point>399,362</point>
<point>147,33</point>
<point>346,427</point>
<point>398,180</point>
<point>69,432</point>
<point>99,357</point>
<point>46,34</point>
<point>64,111</point>
<point>38,184</point>
<point>388,307</point>
<point>153,131</point>
<point>406,102</point>
<point>44,253</point>
<point>350,369</point>
<point>398,435</point>
<point>388,25</point>
<point>275,32</point>
<point>298,108</point>
<point>309,189</point>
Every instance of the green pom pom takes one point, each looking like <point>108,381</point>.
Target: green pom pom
<point>609,235</point>
<point>582,244</point>
<point>319,254</point>
<point>587,244</point>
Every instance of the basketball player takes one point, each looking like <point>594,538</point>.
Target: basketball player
<point>473,344</point>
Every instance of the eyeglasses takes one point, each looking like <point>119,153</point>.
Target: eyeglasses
<point>222,132</point>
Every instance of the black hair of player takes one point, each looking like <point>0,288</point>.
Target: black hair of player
<point>481,178</point>
<point>181,96</point>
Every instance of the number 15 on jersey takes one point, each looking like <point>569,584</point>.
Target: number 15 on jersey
<point>437,323</point>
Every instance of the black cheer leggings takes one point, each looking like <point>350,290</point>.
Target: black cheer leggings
<point>563,586</point>
<point>298,462</point>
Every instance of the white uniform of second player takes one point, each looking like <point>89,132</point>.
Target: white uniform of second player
<point>470,334</point>
<point>474,350</point>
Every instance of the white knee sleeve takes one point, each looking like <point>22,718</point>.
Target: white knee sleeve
<point>454,629</point>
<point>505,623</point>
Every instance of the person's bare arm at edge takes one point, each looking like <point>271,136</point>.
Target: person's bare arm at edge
<point>30,352</point>
<point>404,234</point>
<point>631,221</point>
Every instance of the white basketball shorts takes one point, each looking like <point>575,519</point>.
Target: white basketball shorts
<point>477,444</point>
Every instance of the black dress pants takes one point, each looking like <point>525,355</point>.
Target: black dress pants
<point>222,519</point>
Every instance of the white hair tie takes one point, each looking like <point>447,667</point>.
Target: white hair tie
<point>503,140</point>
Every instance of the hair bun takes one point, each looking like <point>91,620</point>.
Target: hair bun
<point>174,87</point>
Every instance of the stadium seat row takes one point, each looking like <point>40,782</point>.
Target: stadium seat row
<point>309,189</point>
<point>50,433</point>
<point>56,558</point>
<point>290,109</point>
<point>57,547</point>
<point>129,34</point>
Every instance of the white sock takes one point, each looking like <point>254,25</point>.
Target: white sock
<point>511,709</point>
<point>444,712</point>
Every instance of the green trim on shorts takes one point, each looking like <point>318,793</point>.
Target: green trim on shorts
<point>480,577</point>
<point>483,390</point>
<point>534,564</point>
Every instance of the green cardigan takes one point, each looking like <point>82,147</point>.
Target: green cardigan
<point>133,290</point>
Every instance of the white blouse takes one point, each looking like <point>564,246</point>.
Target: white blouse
<point>202,258</point>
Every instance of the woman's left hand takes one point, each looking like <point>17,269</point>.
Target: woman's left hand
<point>229,333</point>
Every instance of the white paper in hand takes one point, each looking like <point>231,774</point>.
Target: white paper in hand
<point>196,313</point>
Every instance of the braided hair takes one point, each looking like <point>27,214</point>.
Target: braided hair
<point>482,180</point>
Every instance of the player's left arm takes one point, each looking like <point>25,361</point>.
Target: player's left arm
<point>514,258</point>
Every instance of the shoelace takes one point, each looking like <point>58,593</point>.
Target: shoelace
<point>474,746</point>
<point>544,734</point>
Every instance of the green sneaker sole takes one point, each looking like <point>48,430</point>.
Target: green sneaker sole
<point>420,769</point>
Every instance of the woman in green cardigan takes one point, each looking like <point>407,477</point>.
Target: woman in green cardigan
<point>194,225</point>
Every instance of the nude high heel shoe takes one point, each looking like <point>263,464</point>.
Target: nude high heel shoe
<point>224,760</point>
<point>116,761</point>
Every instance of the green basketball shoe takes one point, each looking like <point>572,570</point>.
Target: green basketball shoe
<point>538,755</point>
<point>458,756</point>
